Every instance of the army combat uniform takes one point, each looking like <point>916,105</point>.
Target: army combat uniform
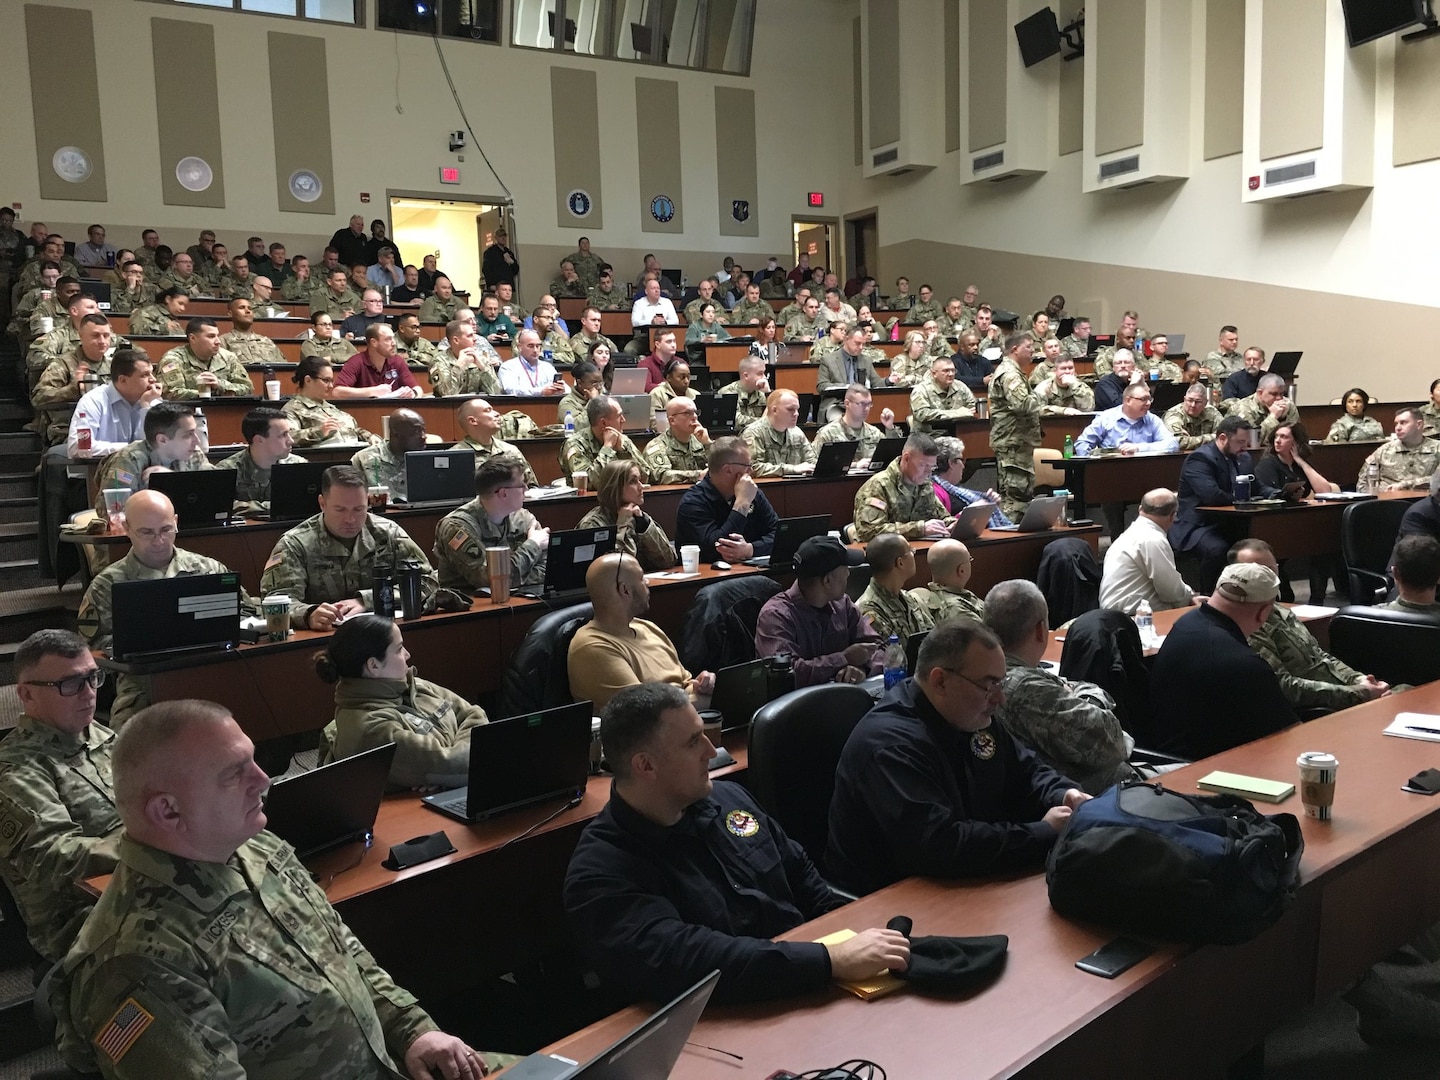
<point>450,376</point>
<point>583,452</point>
<point>651,548</point>
<point>178,372</point>
<point>1058,398</point>
<point>497,447</point>
<point>1360,429</point>
<point>772,452</point>
<point>946,604</point>
<point>867,435</point>
<point>252,348</point>
<point>1398,464</point>
<point>154,320</point>
<point>749,407</point>
<point>1192,431</point>
<point>615,298</point>
<point>382,467</point>
<point>307,417</point>
<point>252,483</point>
<point>463,535</point>
<point>901,614</point>
<point>1014,435</point>
<point>124,301</point>
<point>670,461</point>
<point>1310,678</point>
<point>435,310</point>
<point>888,503</point>
<point>929,404</point>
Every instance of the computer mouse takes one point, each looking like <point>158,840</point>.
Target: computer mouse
<point>720,564</point>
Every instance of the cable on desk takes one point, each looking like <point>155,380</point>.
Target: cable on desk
<point>359,857</point>
<point>855,1069</point>
<point>544,821</point>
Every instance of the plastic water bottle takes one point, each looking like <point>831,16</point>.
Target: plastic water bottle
<point>82,433</point>
<point>894,661</point>
<point>202,428</point>
<point>1068,449</point>
<point>569,422</point>
<point>549,355</point>
<point>1145,623</point>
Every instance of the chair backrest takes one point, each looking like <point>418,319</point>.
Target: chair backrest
<point>1394,646</point>
<point>1367,536</point>
<point>859,580</point>
<point>794,747</point>
<point>1069,576</point>
<point>719,629</point>
<point>1103,647</point>
<point>1047,473</point>
<point>537,676</point>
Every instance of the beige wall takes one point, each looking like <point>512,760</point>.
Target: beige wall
<point>376,149</point>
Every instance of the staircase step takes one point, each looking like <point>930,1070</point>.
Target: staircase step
<point>19,540</point>
<point>18,509</point>
<point>17,484</point>
<point>19,451</point>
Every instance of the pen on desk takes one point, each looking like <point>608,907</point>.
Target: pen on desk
<point>1426,730</point>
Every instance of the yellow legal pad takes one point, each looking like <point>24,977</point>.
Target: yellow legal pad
<point>1250,787</point>
<point>879,985</point>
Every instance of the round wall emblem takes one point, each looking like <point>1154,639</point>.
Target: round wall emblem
<point>71,164</point>
<point>305,185</point>
<point>580,203</point>
<point>194,173</point>
<point>662,208</point>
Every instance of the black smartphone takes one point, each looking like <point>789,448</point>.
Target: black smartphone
<point>1119,955</point>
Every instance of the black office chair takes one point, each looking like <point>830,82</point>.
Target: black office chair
<point>1069,576</point>
<point>1103,647</point>
<point>1394,646</point>
<point>719,629</point>
<point>859,580</point>
<point>1367,536</point>
<point>537,676</point>
<point>794,747</point>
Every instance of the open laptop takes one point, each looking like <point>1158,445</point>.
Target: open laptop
<point>1098,342</point>
<point>740,691</point>
<point>628,381</point>
<point>1284,364</point>
<point>834,458</point>
<point>971,520</point>
<point>522,760</point>
<point>717,411</point>
<point>439,476</point>
<point>912,650</point>
<point>886,451</point>
<point>790,533</point>
<point>637,410</point>
<point>332,805</point>
<point>295,490</point>
<point>566,559</point>
<point>1042,513</point>
<point>167,616</point>
<point>647,1052</point>
<point>1177,343</point>
<point>203,499</point>
<point>99,291</point>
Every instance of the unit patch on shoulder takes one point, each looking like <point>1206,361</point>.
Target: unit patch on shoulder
<point>742,823</point>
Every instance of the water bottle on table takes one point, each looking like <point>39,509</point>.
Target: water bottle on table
<point>894,661</point>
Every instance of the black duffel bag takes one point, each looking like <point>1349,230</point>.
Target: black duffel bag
<point>1196,868</point>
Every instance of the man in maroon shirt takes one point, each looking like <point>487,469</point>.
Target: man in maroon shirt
<point>378,371</point>
<point>657,361</point>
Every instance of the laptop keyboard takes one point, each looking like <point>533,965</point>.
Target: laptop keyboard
<point>455,801</point>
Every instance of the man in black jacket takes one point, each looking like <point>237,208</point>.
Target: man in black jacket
<point>929,783</point>
<point>678,876</point>
<point>726,513</point>
<point>1207,478</point>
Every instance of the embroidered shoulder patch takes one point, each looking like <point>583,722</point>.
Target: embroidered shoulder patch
<point>459,540</point>
<point>878,504</point>
<point>120,1032</point>
<point>742,823</point>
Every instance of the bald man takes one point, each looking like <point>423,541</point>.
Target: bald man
<point>212,949</point>
<point>150,524</point>
<point>479,425</point>
<point>617,648</point>
<point>384,465</point>
<point>1140,563</point>
<point>946,596</point>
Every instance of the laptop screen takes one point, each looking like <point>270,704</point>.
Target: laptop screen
<point>570,554</point>
<point>295,489</point>
<point>440,475</point>
<point>202,499</point>
<point>195,611</point>
<point>331,805</point>
<point>791,532</point>
<point>526,758</point>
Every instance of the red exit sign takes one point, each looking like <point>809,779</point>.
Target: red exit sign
<point>449,174</point>
<point>816,198</point>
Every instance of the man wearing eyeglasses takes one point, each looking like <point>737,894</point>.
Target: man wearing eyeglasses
<point>150,524</point>
<point>496,517</point>
<point>58,821</point>
<point>725,513</point>
<point>930,784</point>
<point>1129,428</point>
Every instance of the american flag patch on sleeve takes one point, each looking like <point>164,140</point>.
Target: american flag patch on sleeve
<point>120,1033</point>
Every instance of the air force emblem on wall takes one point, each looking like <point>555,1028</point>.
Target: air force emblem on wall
<point>662,208</point>
<point>740,209</point>
<point>579,202</point>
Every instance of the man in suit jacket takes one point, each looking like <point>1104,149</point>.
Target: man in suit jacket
<point>849,364</point>
<point>1208,479</point>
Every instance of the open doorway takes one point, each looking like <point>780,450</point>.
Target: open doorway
<point>455,231</point>
<point>815,238</point>
<point>862,242</point>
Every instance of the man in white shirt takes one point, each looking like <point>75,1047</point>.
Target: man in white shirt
<point>115,411</point>
<point>527,373</point>
<point>97,252</point>
<point>652,304</point>
<point>1140,564</point>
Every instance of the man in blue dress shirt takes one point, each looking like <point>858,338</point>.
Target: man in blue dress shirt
<point>1130,428</point>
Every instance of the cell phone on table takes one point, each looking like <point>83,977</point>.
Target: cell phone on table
<point>1119,955</point>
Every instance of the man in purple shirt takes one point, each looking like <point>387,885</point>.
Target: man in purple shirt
<point>817,624</point>
<point>378,371</point>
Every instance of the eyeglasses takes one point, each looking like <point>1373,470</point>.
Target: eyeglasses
<point>989,688</point>
<point>69,687</point>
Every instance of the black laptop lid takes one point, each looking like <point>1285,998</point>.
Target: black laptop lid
<point>652,1049</point>
<point>527,758</point>
<point>886,451</point>
<point>99,291</point>
<point>717,411</point>
<point>1284,364</point>
<point>912,650</point>
<point>331,805</point>
<point>440,476</point>
<point>570,554</point>
<point>195,611</point>
<point>295,490</point>
<point>202,499</point>
<point>835,457</point>
<point>791,532</point>
<point>740,691</point>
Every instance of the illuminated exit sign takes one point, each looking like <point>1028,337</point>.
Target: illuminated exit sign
<point>449,174</point>
<point>817,198</point>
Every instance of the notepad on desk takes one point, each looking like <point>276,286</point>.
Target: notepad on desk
<point>877,985</point>
<point>1414,725</point>
<point>1249,787</point>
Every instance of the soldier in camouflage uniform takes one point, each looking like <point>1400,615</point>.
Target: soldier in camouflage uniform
<point>164,317</point>
<point>946,597</point>
<point>26,302</point>
<point>1355,426</point>
<point>1194,420</point>
<point>1105,358</point>
<point>795,308</point>
<point>1077,343</point>
<point>679,455</point>
<point>599,438</point>
<point>777,445</point>
<point>323,343</point>
<point>1404,463</point>
<point>182,276</point>
<point>248,346</point>
<point>852,426</point>
<point>1158,364</point>
<point>607,294</point>
<point>299,284</point>
<point>1267,408</point>
<point>901,498</point>
<point>494,518</point>
<point>11,245</point>
<point>153,556</point>
<point>443,305</point>
<point>1224,360</point>
<point>939,397</point>
<point>133,292</point>
<point>925,308</point>
<point>335,297</point>
<point>58,823</point>
<point>1070,724</point>
<point>829,342</point>
<point>59,386</point>
<point>314,420</point>
<point>326,564</point>
<point>808,325</point>
<point>383,465</point>
<point>751,309</point>
<point>415,345</point>
<point>1063,392</point>
<point>171,440</point>
<point>240,285</point>
<point>587,264</point>
<point>891,608</point>
<point>752,388</point>
<point>52,251</point>
<point>267,434</point>
<point>466,365</point>
<point>1014,428</point>
<point>202,363</point>
<point>215,272</point>
<point>228,952</point>
<point>568,284</point>
<point>479,425</point>
<point>589,335</point>
<point>510,307</point>
<point>62,338</point>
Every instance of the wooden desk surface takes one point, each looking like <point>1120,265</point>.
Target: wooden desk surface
<point>1318,625</point>
<point>1304,528</point>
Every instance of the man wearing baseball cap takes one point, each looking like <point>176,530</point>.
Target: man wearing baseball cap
<point>1210,690</point>
<point>817,624</point>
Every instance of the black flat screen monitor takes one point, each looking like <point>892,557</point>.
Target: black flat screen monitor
<point>1038,37</point>
<point>1366,20</point>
